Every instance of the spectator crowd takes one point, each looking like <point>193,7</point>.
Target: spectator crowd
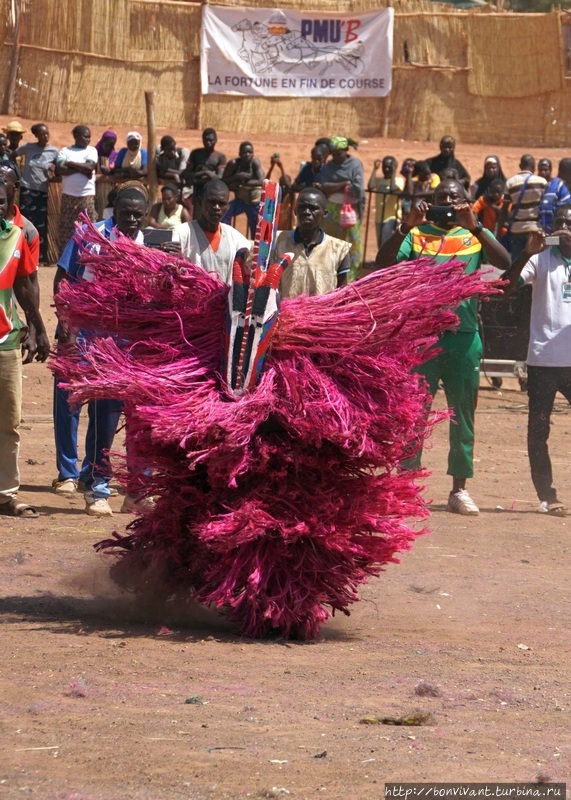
<point>427,207</point>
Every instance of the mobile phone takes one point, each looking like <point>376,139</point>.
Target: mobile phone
<point>552,241</point>
<point>155,237</point>
<point>441,215</point>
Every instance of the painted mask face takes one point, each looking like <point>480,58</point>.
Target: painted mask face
<point>253,309</point>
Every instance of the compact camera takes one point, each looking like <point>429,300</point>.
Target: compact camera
<point>155,237</point>
<point>441,215</point>
<point>552,241</point>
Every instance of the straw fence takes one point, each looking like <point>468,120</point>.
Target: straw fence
<point>482,76</point>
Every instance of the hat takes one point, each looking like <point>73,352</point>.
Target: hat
<point>134,135</point>
<point>14,126</point>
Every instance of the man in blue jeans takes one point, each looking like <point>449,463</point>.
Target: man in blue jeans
<point>129,215</point>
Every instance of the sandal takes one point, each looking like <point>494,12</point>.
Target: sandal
<point>14,509</point>
<point>557,509</point>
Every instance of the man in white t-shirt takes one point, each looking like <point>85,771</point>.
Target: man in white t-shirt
<point>547,267</point>
<point>207,241</point>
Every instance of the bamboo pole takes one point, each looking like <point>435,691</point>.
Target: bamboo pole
<point>368,217</point>
<point>155,61</point>
<point>152,178</point>
<point>200,99</point>
<point>387,115</point>
<point>434,67</point>
<point>14,60</point>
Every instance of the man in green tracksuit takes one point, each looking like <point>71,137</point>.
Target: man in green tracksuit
<point>458,363</point>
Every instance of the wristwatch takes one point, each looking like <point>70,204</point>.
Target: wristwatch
<point>478,229</point>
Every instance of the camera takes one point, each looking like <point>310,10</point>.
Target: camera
<point>552,241</point>
<point>155,237</point>
<point>441,215</point>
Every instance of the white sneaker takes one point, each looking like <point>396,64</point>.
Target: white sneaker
<point>67,486</point>
<point>98,508</point>
<point>137,505</point>
<point>542,509</point>
<point>460,502</point>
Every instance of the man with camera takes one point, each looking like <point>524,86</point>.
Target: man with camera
<point>128,218</point>
<point>546,264</point>
<point>448,229</point>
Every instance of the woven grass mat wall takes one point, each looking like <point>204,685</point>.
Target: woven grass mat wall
<point>439,102</point>
<point>92,60</point>
<point>514,56</point>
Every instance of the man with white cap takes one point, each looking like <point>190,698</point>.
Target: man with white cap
<point>131,163</point>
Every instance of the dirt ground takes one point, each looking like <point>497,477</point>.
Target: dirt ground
<point>104,699</point>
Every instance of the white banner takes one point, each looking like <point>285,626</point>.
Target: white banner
<point>286,53</point>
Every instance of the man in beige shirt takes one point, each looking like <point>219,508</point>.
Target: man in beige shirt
<point>321,262</point>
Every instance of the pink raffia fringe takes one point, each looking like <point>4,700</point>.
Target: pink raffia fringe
<point>277,505</point>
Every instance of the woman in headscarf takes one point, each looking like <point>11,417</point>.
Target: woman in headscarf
<point>105,164</point>
<point>343,183</point>
<point>39,165</point>
<point>106,151</point>
<point>76,165</point>
<point>131,163</point>
<point>492,171</point>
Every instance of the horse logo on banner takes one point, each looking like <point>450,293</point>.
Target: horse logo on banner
<point>265,46</point>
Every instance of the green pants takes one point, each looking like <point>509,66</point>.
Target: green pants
<point>458,367</point>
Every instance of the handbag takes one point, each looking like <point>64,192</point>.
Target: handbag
<point>347,215</point>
